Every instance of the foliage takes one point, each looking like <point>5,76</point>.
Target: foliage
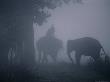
<point>40,7</point>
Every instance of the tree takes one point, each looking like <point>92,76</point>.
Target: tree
<point>16,18</point>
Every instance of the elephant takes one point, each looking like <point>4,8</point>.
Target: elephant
<point>86,46</point>
<point>48,46</point>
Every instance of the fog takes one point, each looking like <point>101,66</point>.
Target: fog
<point>91,18</point>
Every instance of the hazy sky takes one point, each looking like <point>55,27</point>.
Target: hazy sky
<point>79,20</point>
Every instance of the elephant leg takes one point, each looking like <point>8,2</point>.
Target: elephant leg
<point>69,55</point>
<point>96,57</point>
<point>45,60</point>
<point>40,55</point>
<point>54,57</point>
<point>78,57</point>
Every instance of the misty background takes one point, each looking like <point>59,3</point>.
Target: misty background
<point>23,23</point>
<point>72,21</point>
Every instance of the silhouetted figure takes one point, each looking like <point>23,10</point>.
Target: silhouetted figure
<point>48,45</point>
<point>84,46</point>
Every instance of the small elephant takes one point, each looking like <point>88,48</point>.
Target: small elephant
<point>84,46</point>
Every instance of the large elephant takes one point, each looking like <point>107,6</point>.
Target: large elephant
<point>48,46</point>
<point>84,46</point>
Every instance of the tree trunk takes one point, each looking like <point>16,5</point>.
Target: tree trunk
<point>28,44</point>
<point>19,16</point>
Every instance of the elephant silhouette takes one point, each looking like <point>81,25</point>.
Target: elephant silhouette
<point>48,45</point>
<point>84,46</point>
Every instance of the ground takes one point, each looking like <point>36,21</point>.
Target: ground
<point>57,72</point>
<point>67,72</point>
